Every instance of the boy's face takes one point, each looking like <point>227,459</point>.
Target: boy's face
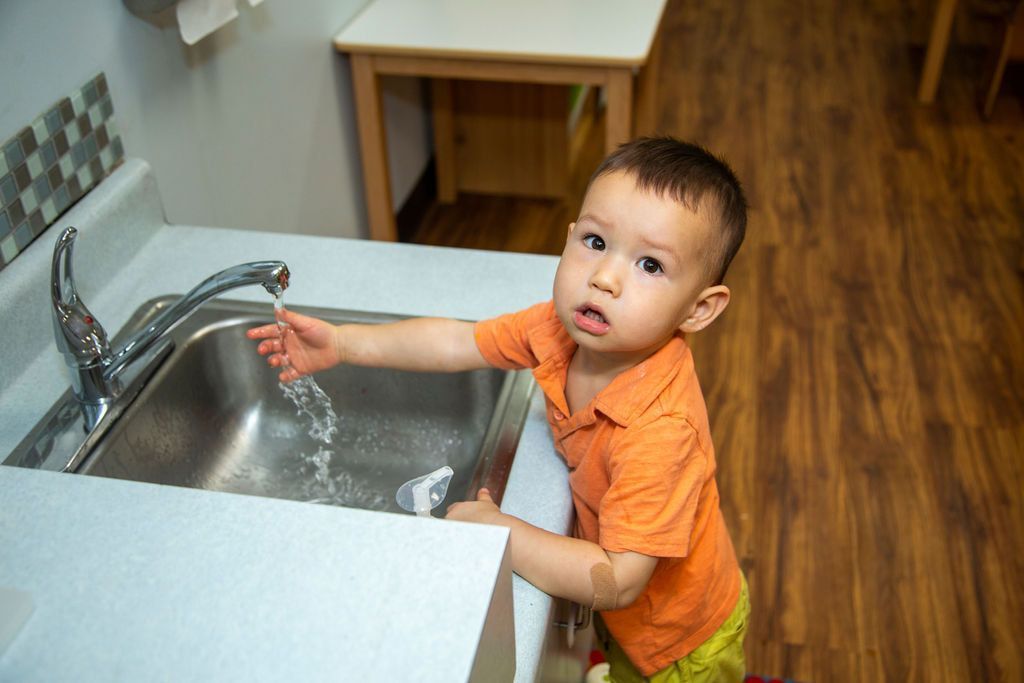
<point>631,273</point>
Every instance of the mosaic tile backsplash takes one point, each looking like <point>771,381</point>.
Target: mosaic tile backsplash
<point>51,163</point>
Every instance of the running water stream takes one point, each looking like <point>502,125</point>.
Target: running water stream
<point>313,407</point>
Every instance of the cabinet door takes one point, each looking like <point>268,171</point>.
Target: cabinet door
<point>511,138</point>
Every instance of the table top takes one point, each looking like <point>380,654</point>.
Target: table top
<point>581,32</point>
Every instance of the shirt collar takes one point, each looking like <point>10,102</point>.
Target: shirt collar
<point>634,390</point>
<point>628,395</point>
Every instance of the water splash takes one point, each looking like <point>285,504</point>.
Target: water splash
<point>313,407</point>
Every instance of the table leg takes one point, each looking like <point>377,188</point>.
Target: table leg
<point>645,116</point>
<point>442,105</point>
<point>372,144</point>
<point>938,42</point>
<point>619,112</point>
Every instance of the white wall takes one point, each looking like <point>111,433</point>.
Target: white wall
<point>253,127</point>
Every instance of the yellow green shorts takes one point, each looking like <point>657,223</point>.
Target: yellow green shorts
<point>719,658</point>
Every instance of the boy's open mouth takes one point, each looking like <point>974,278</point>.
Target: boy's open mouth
<point>590,319</point>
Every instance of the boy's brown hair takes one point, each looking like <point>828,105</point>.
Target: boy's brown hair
<point>695,178</point>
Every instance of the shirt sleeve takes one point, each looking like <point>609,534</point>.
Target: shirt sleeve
<point>656,476</point>
<point>504,341</point>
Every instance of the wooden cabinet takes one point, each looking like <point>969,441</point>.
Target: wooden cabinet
<point>506,138</point>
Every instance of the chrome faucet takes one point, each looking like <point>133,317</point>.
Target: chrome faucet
<point>96,370</point>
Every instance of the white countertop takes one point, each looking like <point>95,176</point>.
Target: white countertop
<point>592,32</point>
<point>135,580</point>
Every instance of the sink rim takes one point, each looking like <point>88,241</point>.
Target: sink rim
<point>494,458</point>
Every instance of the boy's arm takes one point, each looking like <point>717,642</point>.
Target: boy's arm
<point>308,345</point>
<point>562,566</point>
<point>421,344</point>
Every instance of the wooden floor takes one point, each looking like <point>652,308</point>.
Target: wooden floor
<point>866,386</point>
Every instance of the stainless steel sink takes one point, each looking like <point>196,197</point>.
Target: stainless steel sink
<point>214,417</point>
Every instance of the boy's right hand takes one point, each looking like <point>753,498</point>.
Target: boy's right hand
<point>309,345</point>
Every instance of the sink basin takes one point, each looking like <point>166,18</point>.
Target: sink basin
<point>213,416</point>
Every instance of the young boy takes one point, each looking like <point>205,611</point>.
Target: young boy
<point>642,267</point>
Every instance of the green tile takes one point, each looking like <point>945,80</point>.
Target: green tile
<point>3,164</point>
<point>12,149</point>
<point>8,189</point>
<point>62,198</point>
<point>66,167</point>
<point>53,122</point>
<point>49,154</point>
<point>78,155</point>
<point>72,133</point>
<point>42,188</point>
<point>23,235</point>
<point>90,93</point>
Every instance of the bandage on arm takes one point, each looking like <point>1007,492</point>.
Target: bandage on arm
<point>606,591</point>
<point>618,582</point>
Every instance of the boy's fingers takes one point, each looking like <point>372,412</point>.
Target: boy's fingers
<point>268,346</point>
<point>262,332</point>
<point>484,495</point>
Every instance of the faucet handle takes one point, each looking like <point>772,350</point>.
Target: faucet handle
<point>80,337</point>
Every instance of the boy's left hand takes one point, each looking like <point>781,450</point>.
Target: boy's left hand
<point>482,510</point>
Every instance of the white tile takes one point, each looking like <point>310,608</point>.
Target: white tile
<point>49,210</point>
<point>9,248</point>
<point>84,178</point>
<point>29,201</point>
<point>78,103</point>
<point>72,132</point>
<point>66,166</point>
<point>35,165</point>
<point>39,127</point>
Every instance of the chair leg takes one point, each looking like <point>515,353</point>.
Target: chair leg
<point>1011,47</point>
<point>1001,57</point>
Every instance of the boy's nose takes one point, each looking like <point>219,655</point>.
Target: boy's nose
<point>606,279</point>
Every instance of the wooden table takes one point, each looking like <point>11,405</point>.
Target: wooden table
<point>604,43</point>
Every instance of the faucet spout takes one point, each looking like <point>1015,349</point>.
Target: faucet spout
<point>271,275</point>
<point>95,368</point>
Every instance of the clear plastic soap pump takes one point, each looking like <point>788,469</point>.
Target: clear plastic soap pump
<point>423,494</point>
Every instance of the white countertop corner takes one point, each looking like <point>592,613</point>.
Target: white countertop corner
<point>136,581</point>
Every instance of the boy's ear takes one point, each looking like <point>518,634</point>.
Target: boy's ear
<point>710,304</point>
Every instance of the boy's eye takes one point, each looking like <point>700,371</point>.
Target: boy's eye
<point>650,266</point>
<point>594,242</point>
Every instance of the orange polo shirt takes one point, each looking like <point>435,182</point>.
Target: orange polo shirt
<point>641,469</point>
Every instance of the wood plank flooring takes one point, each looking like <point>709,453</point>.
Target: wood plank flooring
<point>866,386</point>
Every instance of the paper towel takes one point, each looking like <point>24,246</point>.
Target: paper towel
<point>199,18</point>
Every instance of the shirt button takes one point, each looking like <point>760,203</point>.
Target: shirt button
<point>559,415</point>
